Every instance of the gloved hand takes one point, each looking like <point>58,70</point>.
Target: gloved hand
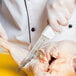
<point>59,12</point>
<point>16,52</point>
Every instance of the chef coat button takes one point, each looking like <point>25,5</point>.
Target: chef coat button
<point>70,25</point>
<point>32,29</point>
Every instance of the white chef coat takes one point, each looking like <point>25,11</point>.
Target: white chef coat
<point>14,19</point>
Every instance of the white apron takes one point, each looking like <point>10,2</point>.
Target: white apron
<point>14,19</point>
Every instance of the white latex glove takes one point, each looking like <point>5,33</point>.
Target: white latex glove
<point>17,53</point>
<point>59,12</point>
<point>3,33</point>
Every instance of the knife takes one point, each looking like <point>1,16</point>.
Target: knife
<point>47,34</point>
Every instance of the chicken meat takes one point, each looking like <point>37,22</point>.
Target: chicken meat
<point>55,59</point>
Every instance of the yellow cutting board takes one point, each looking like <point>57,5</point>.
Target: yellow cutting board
<point>8,67</point>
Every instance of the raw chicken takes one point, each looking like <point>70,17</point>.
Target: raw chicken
<point>60,55</point>
<point>56,59</point>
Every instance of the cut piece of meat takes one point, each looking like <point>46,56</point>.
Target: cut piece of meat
<point>62,63</point>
